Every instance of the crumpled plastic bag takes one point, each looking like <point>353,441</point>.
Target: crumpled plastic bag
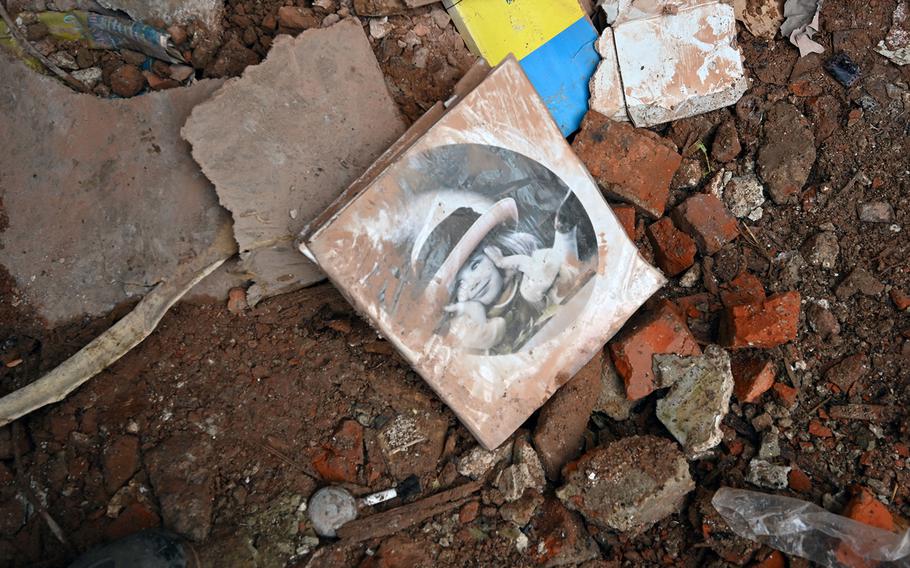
<point>804,529</point>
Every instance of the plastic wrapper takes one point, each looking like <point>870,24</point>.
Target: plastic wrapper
<point>804,529</point>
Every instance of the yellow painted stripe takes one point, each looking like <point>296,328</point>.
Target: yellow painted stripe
<point>497,28</point>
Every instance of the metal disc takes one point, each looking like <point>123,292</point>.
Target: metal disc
<point>330,508</point>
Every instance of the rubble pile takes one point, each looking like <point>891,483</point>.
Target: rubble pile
<point>774,359</point>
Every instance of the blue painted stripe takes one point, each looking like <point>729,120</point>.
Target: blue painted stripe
<point>560,70</point>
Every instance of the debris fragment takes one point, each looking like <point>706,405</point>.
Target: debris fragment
<point>752,377</point>
<point>726,146</point>
<point>628,163</point>
<point>765,324</point>
<point>896,45</point>
<point>699,397</point>
<point>848,371</point>
<point>398,519</point>
<point>822,249</point>
<point>801,24</point>
<point>629,484</point>
<point>563,419</point>
<point>606,85</point>
<point>173,11</point>
<point>707,221</point>
<point>560,537</point>
<point>260,176</point>
<point>477,462</point>
<point>875,212</point>
<point>787,154</point>
<point>765,474</point>
<point>612,399</point>
<point>97,251</point>
<point>674,250</point>
<point>330,508</point>
<point>859,280</point>
<point>663,330</point>
<point>744,196</point>
<point>341,458</point>
<point>804,529</point>
<point>761,17</point>
<point>553,42</point>
<point>183,483</point>
<point>843,69</point>
<point>662,68</point>
<point>525,473</point>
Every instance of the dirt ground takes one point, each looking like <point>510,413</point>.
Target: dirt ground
<point>251,401</point>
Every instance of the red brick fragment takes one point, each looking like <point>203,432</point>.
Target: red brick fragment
<point>341,459</point>
<point>900,299</point>
<point>707,221</point>
<point>661,331</point>
<point>674,250</point>
<point>752,377</point>
<point>766,324</point>
<point>864,508</point>
<point>631,164</point>
<point>626,216</point>
<point>134,518</point>
<point>786,394</point>
<point>817,429</point>
<point>774,560</point>
<point>848,371</point>
<point>744,289</point>
<point>468,512</point>
<point>799,481</point>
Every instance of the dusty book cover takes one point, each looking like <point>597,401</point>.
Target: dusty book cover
<point>486,253</point>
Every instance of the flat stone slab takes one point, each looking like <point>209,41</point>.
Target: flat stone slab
<point>285,139</point>
<point>103,198</point>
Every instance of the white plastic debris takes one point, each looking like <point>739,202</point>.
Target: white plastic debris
<point>896,45</point>
<point>800,528</point>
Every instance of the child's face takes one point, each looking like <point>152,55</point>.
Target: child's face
<point>479,280</point>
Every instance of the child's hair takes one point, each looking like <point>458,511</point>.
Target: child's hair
<point>509,242</point>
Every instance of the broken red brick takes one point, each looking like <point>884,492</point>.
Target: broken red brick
<point>735,447</point>
<point>626,216</point>
<point>236,303</point>
<point>561,426</point>
<point>744,289</point>
<point>816,429</point>
<point>766,324</point>
<point>341,459</point>
<point>864,508</point>
<point>752,377</point>
<point>661,331</point>
<point>799,481</point>
<point>673,249</point>
<point>707,221</point>
<point>786,394</point>
<point>468,512</point>
<point>903,450</point>
<point>774,560</point>
<point>631,164</point>
<point>848,371</point>
<point>900,299</point>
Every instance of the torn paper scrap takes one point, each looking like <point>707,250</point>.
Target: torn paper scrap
<point>896,45</point>
<point>606,85</point>
<point>801,24</point>
<point>283,141</point>
<point>761,17</point>
<point>678,59</point>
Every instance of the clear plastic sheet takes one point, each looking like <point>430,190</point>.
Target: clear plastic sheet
<point>804,529</point>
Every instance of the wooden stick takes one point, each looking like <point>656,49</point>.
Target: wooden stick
<point>104,350</point>
<point>400,518</point>
<point>27,46</point>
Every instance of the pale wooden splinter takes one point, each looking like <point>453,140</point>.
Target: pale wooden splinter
<point>104,350</point>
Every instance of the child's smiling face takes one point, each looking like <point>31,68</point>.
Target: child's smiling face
<point>479,281</point>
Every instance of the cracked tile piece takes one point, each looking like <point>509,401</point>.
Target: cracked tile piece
<point>606,85</point>
<point>678,59</point>
<point>103,197</point>
<point>284,140</point>
<point>699,398</point>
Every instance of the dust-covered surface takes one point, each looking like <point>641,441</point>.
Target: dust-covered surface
<point>262,398</point>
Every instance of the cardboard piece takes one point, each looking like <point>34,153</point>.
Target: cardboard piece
<point>675,58</point>
<point>103,198</point>
<point>552,39</point>
<point>281,142</point>
<point>486,254</point>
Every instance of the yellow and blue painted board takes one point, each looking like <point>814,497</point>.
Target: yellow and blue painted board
<point>552,39</point>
